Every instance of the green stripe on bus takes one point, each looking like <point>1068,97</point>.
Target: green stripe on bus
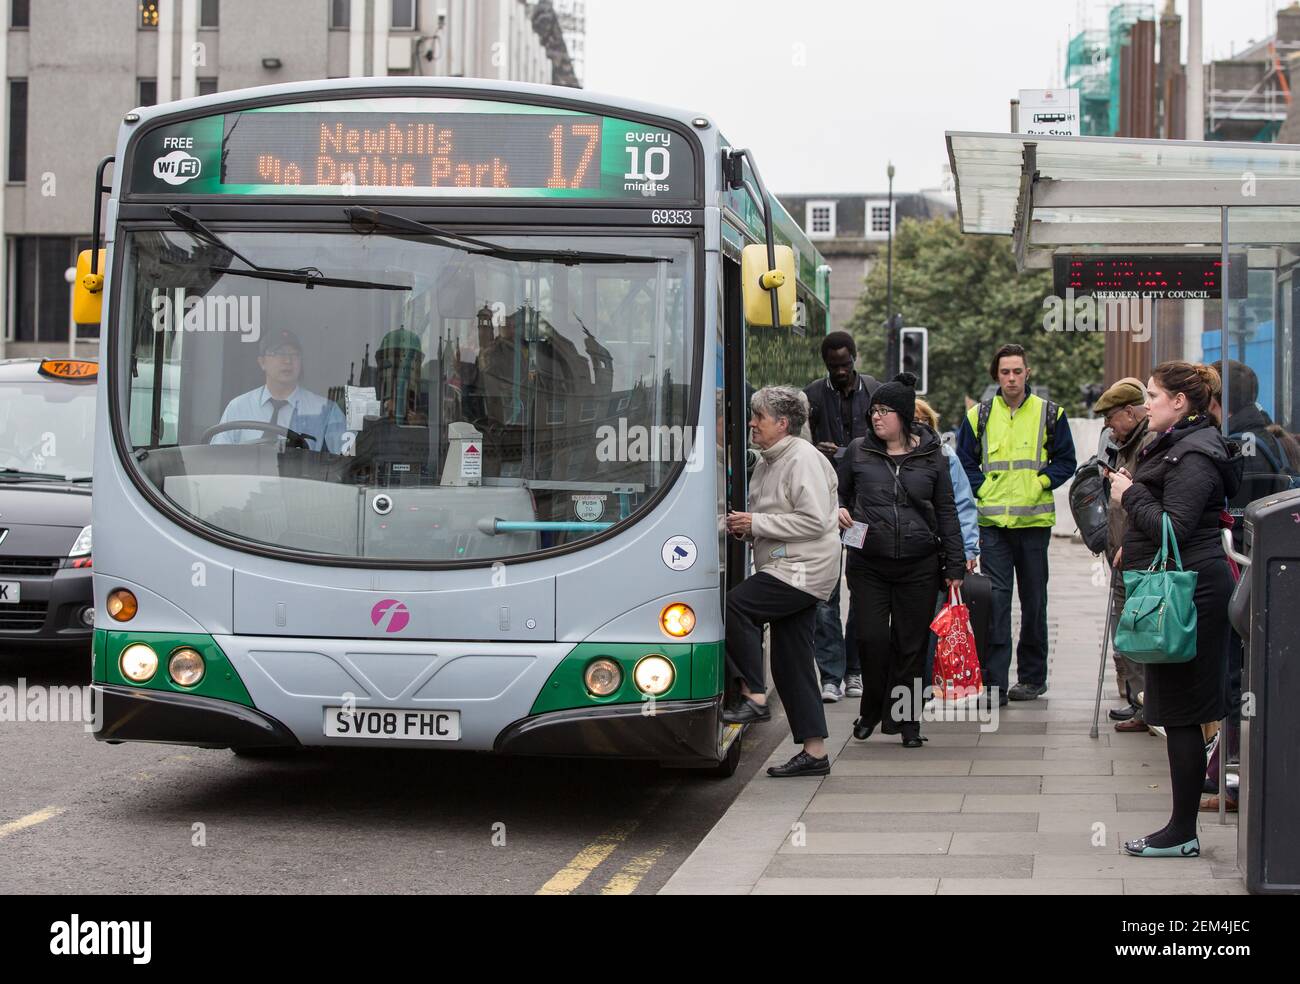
<point>566,688</point>
<point>220,679</point>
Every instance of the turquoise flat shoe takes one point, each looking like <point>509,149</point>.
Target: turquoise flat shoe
<point>1140,849</point>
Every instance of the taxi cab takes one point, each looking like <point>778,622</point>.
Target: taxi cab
<point>47,425</point>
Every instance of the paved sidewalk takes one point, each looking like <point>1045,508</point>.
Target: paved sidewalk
<point>1035,807</point>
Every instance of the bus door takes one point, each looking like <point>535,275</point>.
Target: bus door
<point>736,427</point>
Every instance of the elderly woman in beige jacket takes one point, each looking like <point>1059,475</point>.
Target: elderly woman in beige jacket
<point>793,501</point>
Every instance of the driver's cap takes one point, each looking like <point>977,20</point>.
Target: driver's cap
<point>279,339</point>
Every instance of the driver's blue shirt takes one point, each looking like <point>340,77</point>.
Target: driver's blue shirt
<point>306,413</point>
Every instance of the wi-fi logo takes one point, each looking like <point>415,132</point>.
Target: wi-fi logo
<point>390,615</point>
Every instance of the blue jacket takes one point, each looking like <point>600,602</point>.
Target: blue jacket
<point>967,514</point>
<point>1060,465</point>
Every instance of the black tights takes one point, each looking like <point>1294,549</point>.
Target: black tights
<point>1186,777</point>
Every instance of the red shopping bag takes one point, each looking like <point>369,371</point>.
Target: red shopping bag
<point>956,664</point>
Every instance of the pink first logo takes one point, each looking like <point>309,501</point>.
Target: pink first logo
<point>390,615</point>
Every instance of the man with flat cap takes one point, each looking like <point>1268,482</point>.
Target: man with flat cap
<point>280,400</point>
<point>1123,410</point>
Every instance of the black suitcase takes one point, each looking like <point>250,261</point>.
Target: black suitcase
<point>977,592</point>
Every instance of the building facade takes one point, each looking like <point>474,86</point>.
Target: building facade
<point>852,231</point>
<point>71,77</point>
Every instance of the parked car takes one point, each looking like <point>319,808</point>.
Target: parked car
<point>47,426</point>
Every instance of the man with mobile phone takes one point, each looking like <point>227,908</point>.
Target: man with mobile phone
<point>1123,410</point>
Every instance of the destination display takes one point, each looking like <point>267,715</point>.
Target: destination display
<point>416,147</point>
<point>1156,277</point>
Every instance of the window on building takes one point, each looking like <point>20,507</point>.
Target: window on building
<point>880,219</point>
<point>148,15</point>
<point>20,14</point>
<point>207,86</point>
<point>40,290</point>
<point>17,130</point>
<point>340,14</point>
<point>208,13</point>
<point>403,15</point>
<point>146,92</point>
<point>821,220</point>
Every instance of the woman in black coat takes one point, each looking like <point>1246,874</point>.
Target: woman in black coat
<point>896,481</point>
<point>1186,472</point>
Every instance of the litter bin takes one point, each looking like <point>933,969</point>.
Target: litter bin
<point>1268,850</point>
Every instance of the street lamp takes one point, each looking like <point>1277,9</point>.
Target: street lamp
<point>892,322</point>
<point>889,248</point>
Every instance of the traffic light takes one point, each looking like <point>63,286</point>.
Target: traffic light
<point>914,355</point>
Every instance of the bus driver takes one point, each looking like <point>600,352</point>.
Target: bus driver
<point>280,400</point>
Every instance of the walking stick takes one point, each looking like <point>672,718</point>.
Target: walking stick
<point>1105,647</point>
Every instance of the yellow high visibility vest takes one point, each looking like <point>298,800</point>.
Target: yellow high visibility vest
<point>1012,453</point>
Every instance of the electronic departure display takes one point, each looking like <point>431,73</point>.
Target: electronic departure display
<point>1156,277</point>
<point>415,146</point>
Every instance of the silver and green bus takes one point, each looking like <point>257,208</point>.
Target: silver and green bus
<point>421,405</point>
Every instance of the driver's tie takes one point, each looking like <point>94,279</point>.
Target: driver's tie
<point>276,407</point>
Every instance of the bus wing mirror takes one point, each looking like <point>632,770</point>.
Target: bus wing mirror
<point>759,279</point>
<point>88,289</point>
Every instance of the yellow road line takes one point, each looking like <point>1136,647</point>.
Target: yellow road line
<point>572,875</point>
<point>626,881</point>
<point>31,820</point>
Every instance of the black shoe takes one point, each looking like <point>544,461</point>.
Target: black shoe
<point>862,731</point>
<point>1123,713</point>
<point>1027,691</point>
<point>913,741</point>
<point>802,764</point>
<point>747,712</point>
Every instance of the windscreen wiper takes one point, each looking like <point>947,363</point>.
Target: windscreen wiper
<point>368,221</point>
<point>308,276</point>
<point>18,475</point>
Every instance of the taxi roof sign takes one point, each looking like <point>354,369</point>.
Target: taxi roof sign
<point>69,368</point>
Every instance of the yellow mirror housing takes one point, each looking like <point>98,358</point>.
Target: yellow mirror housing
<point>759,281</point>
<point>88,290</point>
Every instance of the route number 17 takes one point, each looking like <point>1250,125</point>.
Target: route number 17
<point>588,131</point>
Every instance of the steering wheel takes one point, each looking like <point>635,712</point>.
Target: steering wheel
<point>269,431</point>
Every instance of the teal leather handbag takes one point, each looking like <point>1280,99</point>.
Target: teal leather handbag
<point>1158,624</point>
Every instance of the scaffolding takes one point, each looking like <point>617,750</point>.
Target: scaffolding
<point>1087,69</point>
<point>1121,19</point>
<point>1092,66</point>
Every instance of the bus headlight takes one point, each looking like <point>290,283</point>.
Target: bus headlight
<point>138,662</point>
<point>677,620</point>
<point>121,605</point>
<point>603,677</point>
<point>185,666</point>
<point>654,675</point>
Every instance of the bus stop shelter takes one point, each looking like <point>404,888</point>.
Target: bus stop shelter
<point>1229,212</point>
<point>1059,198</point>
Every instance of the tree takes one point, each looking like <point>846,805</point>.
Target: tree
<point>967,291</point>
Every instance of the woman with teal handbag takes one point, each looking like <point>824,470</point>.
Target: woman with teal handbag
<point>1178,583</point>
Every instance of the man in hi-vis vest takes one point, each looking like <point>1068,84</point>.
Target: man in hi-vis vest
<point>1016,448</point>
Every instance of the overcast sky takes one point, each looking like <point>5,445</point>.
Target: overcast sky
<point>826,92</point>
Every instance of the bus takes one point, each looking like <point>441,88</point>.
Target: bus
<point>422,402</point>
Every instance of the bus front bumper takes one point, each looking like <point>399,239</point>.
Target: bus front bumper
<point>138,714</point>
<point>681,732</point>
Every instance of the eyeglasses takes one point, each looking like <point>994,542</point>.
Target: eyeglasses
<point>882,411</point>
<point>284,353</point>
